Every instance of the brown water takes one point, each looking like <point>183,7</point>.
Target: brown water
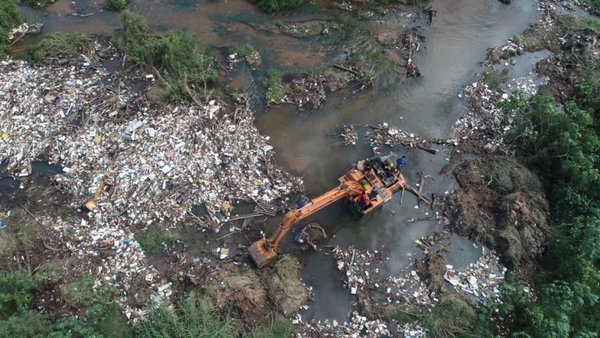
<point>455,44</point>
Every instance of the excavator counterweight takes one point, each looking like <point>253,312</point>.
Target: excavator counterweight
<point>367,186</point>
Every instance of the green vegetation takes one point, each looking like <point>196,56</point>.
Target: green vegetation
<point>562,143</point>
<point>10,17</point>
<point>272,6</point>
<point>451,317</point>
<point>276,328</point>
<point>577,23</point>
<point>19,238</point>
<point>595,4</point>
<point>404,314</point>
<point>18,318</point>
<point>178,59</point>
<point>39,3</point>
<point>275,87</point>
<point>116,5</point>
<point>493,79</point>
<point>243,50</point>
<point>151,240</point>
<point>60,45</point>
<point>193,318</point>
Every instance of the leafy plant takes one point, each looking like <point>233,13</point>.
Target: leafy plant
<point>116,5</point>
<point>275,87</point>
<point>10,17</point>
<point>193,318</point>
<point>178,59</point>
<point>152,239</point>
<point>59,44</point>
<point>243,50</point>
<point>271,6</point>
<point>39,3</point>
<point>275,328</point>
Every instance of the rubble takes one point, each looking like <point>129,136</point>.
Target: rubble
<point>156,165</point>
<point>384,134</point>
<point>144,164</point>
<point>480,279</point>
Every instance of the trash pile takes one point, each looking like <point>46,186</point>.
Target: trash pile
<point>357,326</point>
<point>153,167</point>
<point>367,277</point>
<point>113,256</point>
<point>480,279</point>
<point>130,164</point>
<point>384,134</point>
<point>349,135</point>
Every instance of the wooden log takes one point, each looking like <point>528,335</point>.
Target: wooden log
<point>416,193</point>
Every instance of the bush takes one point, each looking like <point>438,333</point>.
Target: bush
<point>272,6</point>
<point>59,45</point>
<point>243,50</point>
<point>275,328</point>
<point>595,4</point>
<point>193,318</point>
<point>178,58</point>
<point>39,3</point>
<point>151,240</point>
<point>10,17</point>
<point>275,87</point>
<point>451,317</point>
<point>116,5</point>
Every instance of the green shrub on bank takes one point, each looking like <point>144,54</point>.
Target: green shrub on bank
<point>59,45</point>
<point>275,87</point>
<point>151,240</point>
<point>39,3</point>
<point>562,143</point>
<point>10,17</point>
<point>275,328</point>
<point>192,318</point>
<point>272,6</point>
<point>595,4</point>
<point>243,50</point>
<point>116,5</point>
<point>178,58</point>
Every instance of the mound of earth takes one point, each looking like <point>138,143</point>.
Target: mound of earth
<point>285,288</point>
<point>501,204</point>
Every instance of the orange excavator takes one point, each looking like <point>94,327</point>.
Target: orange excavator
<point>366,186</point>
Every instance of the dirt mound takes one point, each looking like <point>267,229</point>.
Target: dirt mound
<point>285,287</point>
<point>501,204</point>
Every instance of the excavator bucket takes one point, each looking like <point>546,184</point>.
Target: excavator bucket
<point>261,254</point>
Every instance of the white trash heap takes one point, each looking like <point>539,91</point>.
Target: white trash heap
<point>157,162</point>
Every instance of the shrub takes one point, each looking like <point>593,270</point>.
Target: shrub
<point>275,328</point>
<point>275,87</point>
<point>243,50</point>
<point>116,5</point>
<point>272,6</point>
<point>10,17</point>
<point>59,44</point>
<point>193,318</point>
<point>151,240</point>
<point>451,317</point>
<point>178,58</point>
<point>39,3</point>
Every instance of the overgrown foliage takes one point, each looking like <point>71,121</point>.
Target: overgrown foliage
<point>154,237</point>
<point>39,3</point>
<point>59,45</point>
<point>116,5</point>
<point>18,318</point>
<point>451,317</point>
<point>272,6</point>
<point>275,87</point>
<point>243,50</point>
<point>562,143</point>
<point>275,328</point>
<point>193,318</point>
<point>10,17</point>
<point>595,4</point>
<point>178,58</point>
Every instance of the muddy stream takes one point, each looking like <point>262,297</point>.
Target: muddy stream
<point>305,141</point>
